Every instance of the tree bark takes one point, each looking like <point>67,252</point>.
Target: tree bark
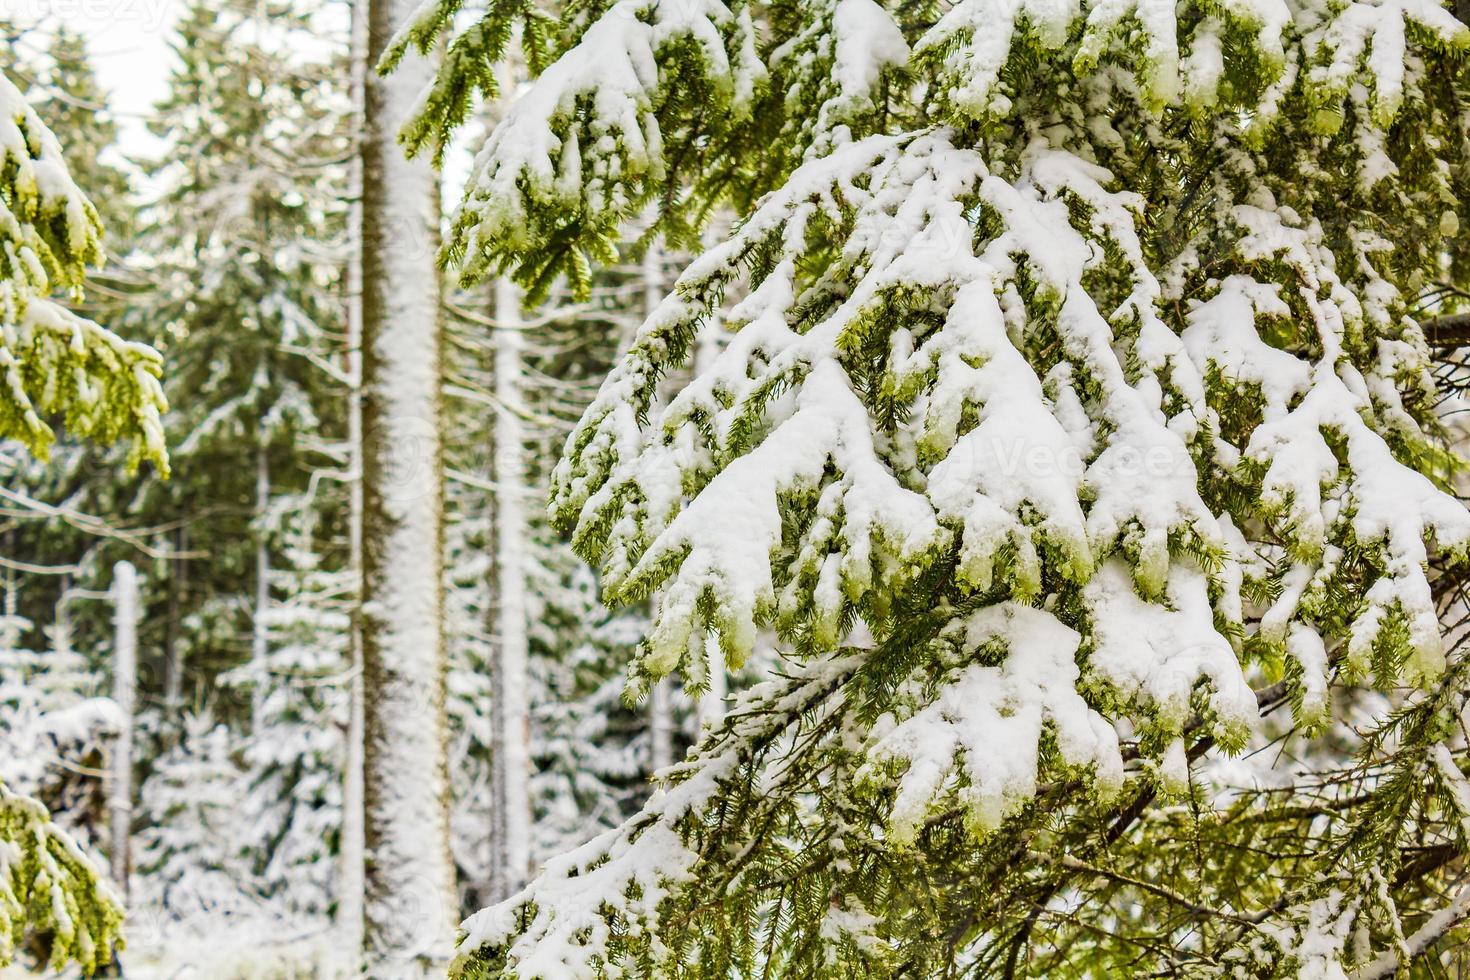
<point>178,587</point>
<point>260,635</point>
<point>661,725</point>
<point>510,711</point>
<point>409,908</point>
<point>124,692</point>
<point>351,884</point>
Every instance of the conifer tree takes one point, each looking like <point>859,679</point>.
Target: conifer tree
<point>587,753</point>
<point>295,752</point>
<point>58,366</point>
<point>1074,427</point>
<point>68,678</point>
<point>21,711</point>
<point>192,858</point>
<point>590,751</point>
<point>81,725</point>
<point>243,255</point>
<point>56,730</point>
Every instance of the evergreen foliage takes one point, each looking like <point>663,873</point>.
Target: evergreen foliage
<point>57,364</point>
<point>243,254</point>
<point>294,754</point>
<point>589,752</point>
<point>1075,423</point>
<point>192,860</point>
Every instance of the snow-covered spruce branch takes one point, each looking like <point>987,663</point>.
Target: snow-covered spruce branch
<point>643,858</point>
<point>653,97</point>
<point>52,362</point>
<point>46,882</point>
<point>1167,894</point>
<point>104,387</point>
<point>1388,964</point>
<point>721,839</point>
<point>871,533</point>
<point>1071,357</point>
<point>643,98</point>
<point>1367,845</point>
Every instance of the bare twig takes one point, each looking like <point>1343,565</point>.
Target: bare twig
<point>1452,330</point>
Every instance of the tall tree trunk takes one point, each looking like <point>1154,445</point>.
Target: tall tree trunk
<point>124,692</point>
<point>353,866</point>
<point>10,612</point>
<point>661,725</point>
<point>178,587</point>
<point>711,708</point>
<point>510,711</point>
<point>409,920</point>
<point>260,634</point>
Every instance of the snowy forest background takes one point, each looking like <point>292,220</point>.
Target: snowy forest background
<point>1026,454</point>
<point>228,252</point>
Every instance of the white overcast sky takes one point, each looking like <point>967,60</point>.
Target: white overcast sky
<point>129,43</point>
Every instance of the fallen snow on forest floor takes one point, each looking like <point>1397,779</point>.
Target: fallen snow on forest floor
<point>220,948</point>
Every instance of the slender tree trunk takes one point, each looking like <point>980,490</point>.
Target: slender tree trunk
<point>712,700</point>
<point>124,682</point>
<point>410,900</point>
<point>9,622</point>
<point>61,619</point>
<point>178,586</point>
<point>353,866</point>
<point>661,725</point>
<point>510,711</point>
<point>260,634</point>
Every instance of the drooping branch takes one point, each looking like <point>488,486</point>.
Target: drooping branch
<point>1388,963</point>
